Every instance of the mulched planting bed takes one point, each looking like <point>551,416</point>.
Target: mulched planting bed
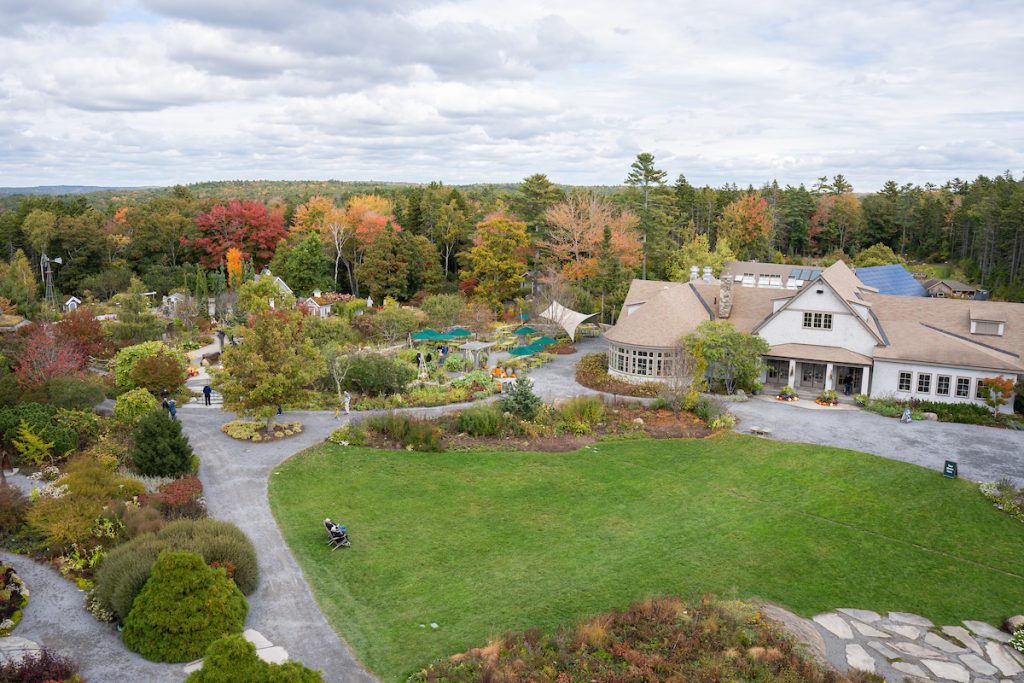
<point>620,422</point>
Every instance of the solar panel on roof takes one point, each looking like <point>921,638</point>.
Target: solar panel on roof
<point>892,279</point>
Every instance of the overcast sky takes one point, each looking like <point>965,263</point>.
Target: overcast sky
<point>154,92</point>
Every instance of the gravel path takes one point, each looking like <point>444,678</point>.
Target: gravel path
<point>983,453</point>
<point>55,618</point>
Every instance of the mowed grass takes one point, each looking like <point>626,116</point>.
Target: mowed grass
<point>484,543</point>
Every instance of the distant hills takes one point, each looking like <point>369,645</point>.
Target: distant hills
<point>61,189</point>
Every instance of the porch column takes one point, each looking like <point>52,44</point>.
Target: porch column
<point>864,377</point>
<point>791,380</point>
<point>830,381</point>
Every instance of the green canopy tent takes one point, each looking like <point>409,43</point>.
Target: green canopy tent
<point>543,341</point>
<point>525,330</point>
<point>523,351</point>
<point>426,335</point>
<point>458,332</point>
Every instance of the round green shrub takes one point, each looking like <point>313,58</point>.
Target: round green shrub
<point>125,569</point>
<point>372,373</point>
<point>132,405</point>
<point>72,393</point>
<point>521,401</point>
<point>161,450</point>
<point>183,608</point>
<point>233,658</point>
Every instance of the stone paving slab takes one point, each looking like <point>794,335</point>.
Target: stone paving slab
<point>916,650</point>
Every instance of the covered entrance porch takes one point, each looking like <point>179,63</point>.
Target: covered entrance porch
<point>811,370</point>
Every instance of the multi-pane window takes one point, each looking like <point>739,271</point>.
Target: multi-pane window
<point>942,385</point>
<point>818,321</point>
<point>905,379</point>
<point>644,363</point>
<point>924,383</point>
<point>979,390</point>
<point>963,387</point>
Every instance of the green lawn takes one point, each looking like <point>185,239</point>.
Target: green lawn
<point>483,543</point>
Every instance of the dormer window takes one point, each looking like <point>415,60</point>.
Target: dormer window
<point>987,324</point>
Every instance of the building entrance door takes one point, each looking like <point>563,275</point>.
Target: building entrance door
<point>812,376</point>
<point>853,375</point>
<point>776,372</point>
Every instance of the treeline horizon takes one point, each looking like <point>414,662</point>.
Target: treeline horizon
<point>594,238</point>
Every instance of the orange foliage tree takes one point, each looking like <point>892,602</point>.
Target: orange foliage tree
<point>996,392</point>
<point>747,225</point>
<point>234,260</point>
<point>576,229</point>
<point>364,218</point>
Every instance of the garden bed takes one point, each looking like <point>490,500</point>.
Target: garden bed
<point>592,372</point>
<point>13,598</point>
<point>247,430</point>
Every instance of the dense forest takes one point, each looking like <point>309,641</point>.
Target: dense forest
<point>495,242</point>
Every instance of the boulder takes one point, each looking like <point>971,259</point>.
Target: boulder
<point>1014,624</point>
<point>930,416</point>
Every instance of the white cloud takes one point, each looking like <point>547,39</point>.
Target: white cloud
<point>163,91</point>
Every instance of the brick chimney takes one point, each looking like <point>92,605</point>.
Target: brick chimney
<point>725,295</point>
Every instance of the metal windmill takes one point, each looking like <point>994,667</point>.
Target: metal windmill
<point>46,269</point>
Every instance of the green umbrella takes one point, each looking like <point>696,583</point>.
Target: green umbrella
<point>426,335</point>
<point>524,316</point>
<point>522,351</point>
<point>460,332</point>
<point>525,329</point>
<point>544,341</point>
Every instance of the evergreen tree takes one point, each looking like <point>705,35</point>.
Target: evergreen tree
<point>385,268</point>
<point>609,269</point>
<point>648,183</point>
<point>161,450</point>
<point>535,196</point>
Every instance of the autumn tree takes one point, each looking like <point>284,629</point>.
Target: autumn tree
<point>234,259</point>
<point>40,228</point>
<point>82,329</point>
<point>271,368</point>
<point>262,294</point>
<point>747,225</point>
<point>837,218</point>
<point>577,229</point>
<point>18,282</point>
<point>247,226</point>
<point>384,270</point>
<point>46,355</point>
<point>996,392</point>
<point>366,217</point>
<point>497,260</point>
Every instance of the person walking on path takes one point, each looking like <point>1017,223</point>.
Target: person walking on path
<point>172,408</point>
<point>206,394</point>
<point>348,400</point>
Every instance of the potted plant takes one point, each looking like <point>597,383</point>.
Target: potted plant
<point>861,400</point>
<point>787,394</point>
<point>756,388</point>
<point>829,397</point>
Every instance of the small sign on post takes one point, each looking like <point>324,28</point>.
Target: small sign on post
<point>949,470</point>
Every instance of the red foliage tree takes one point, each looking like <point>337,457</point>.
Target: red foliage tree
<point>85,332</point>
<point>45,355</point>
<point>246,226</point>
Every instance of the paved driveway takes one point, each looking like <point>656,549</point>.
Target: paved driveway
<point>983,453</point>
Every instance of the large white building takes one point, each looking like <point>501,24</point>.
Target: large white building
<point>826,329</point>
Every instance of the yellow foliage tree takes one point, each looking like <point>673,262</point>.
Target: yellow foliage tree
<point>234,259</point>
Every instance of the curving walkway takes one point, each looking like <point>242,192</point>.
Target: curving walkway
<point>55,618</point>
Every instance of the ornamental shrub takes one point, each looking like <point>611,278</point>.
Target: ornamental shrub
<point>161,450</point>
<point>183,608</point>
<point>233,658</point>
<point>125,569</point>
<point>13,506</point>
<point>74,393</point>
<point>521,401</point>
<point>707,409</point>
<point>164,370</point>
<point>409,432</point>
<point>481,420</point>
<point>128,357</point>
<point>37,667</point>
<point>72,518</point>
<point>372,373</point>
<point>580,414</point>
<point>42,420</point>
<point>132,405</point>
